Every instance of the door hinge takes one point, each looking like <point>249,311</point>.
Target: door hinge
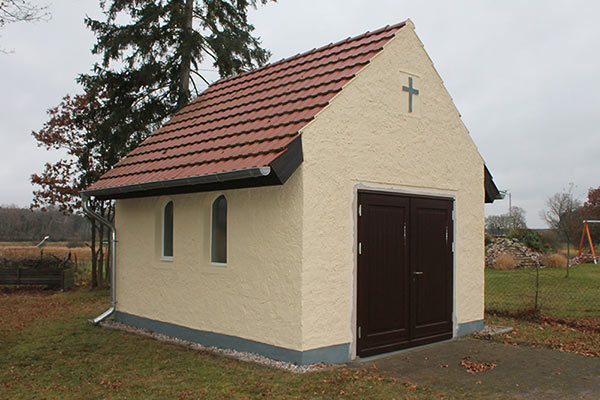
<point>359,248</point>
<point>453,246</point>
<point>360,210</point>
<point>405,231</point>
<point>359,335</point>
<point>446,234</point>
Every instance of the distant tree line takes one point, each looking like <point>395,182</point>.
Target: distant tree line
<point>22,224</point>
<point>503,224</point>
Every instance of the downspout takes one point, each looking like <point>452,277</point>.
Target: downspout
<point>113,257</point>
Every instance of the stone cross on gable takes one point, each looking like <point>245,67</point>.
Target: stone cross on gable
<point>411,91</point>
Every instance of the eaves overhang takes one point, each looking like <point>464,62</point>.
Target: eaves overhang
<point>277,173</point>
<point>491,190</point>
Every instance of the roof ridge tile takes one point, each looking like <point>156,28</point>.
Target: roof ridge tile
<point>215,89</point>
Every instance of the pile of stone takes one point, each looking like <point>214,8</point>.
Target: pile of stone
<point>523,255</point>
<point>582,259</point>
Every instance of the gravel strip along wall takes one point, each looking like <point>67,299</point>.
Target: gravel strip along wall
<point>237,355</point>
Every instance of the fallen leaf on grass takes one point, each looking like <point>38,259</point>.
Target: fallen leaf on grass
<point>474,367</point>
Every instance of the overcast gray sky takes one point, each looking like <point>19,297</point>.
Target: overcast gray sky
<point>525,76</point>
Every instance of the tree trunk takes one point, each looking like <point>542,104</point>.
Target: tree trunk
<point>93,250</point>
<point>186,50</point>
<point>536,307</point>
<point>568,256</point>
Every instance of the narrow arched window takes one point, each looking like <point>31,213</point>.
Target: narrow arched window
<point>167,237</point>
<point>218,237</point>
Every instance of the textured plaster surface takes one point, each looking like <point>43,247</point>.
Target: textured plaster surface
<point>256,296</point>
<point>366,138</point>
<point>290,277</point>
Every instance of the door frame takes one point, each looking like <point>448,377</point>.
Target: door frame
<point>406,191</point>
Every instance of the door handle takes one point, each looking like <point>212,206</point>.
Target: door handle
<point>417,272</point>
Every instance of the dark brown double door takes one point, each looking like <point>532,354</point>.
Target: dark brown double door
<point>405,271</point>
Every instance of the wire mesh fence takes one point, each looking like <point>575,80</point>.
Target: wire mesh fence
<point>546,291</point>
<point>521,282</point>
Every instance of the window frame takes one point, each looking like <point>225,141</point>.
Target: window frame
<point>217,263</point>
<point>164,257</point>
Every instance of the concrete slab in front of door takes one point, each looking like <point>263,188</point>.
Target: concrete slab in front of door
<point>520,372</point>
<point>372,359</point>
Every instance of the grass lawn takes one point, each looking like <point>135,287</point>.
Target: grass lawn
<point>49,350</point>
<point>549,334</point>
<point>575,297</point>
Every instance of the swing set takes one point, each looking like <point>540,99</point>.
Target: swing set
<point>586,232</point>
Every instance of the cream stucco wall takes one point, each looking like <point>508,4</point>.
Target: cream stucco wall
<point>290,278</point>
<point>256,296</point>
<point>367,138</point>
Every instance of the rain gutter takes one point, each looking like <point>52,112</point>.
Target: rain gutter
<point>172,183</point>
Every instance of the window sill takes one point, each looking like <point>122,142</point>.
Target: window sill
<point>167,259</point>
<point>218,264</point>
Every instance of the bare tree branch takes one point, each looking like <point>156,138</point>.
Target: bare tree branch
<point>194,84</point>
<point>563,215</point>
<point>12,11</point>
<point>201,77</point>
<point>21,11</point>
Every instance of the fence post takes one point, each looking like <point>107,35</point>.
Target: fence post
<point>536,308</point>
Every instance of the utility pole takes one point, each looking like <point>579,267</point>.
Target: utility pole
<point>503,193</point>
<point>510,218</point>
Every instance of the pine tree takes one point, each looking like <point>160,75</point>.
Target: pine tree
<point>151,62</point>
<point>148,65</point>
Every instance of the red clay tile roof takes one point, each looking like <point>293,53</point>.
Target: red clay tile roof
<point>246,121</point>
